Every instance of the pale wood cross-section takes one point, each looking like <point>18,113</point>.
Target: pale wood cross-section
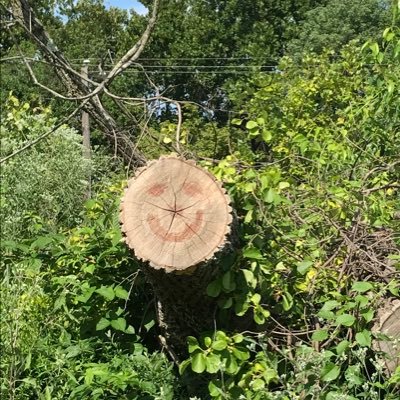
<point>175,214</point>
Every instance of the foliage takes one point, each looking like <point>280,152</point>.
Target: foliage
<point>335,23</point>
<point>309,154</point>
<point>322,180</point>
<point>66,325</point>
<point>43,187</point>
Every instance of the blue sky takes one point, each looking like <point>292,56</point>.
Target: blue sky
<point>127,4</point>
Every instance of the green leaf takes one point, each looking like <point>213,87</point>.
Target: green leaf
<point>236,121</point>
<point>258,316</point>
<point>320,335</point>
<point>238,338</point>
<point>345,319</point>
<point>266,135</point>
<point>198,362</point>
<point>330,305</point>
<point>303,267</point>
<point>102,324</point>
<point>183,365</point>
<point>231,365</point>
<point>368,315</point>
<point>130,330</point>
<point>342,346</point>
<point>252,253</point>
<point>269,197</point>
<point>361,300</point>
<point>364,338</point>
<point>353,375</point>
<point>193,344</point>
<point>249,277</point>
<point>41,242</point>
<point>256,298</point>
<point>121,293</point>
<point>374,48</point>
<point>330,372</point>
<point>213,363</point>
<point>251,125</point>
<point>257,384</point>
<point>119,324</point>
<point>241,353</point>
<point>214,288</point>
<point>287,301</point>
<point>219,345</point>
<point>107,292</point>
<point>225,303</point>
<point>214,388</point>
<point>228,282</point>
<point>361,287</point>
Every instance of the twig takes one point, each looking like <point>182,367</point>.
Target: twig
<point>375,189</point>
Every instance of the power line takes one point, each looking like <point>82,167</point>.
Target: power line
<point>163,72</point>
<point>179,58</point>
<point>197,66</point>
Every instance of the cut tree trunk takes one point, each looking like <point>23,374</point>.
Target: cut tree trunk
<point>388,324</point>
<point>177,219</point>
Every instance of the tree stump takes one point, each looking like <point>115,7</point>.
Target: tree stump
<point>176,217</point>
<point>389,325</point>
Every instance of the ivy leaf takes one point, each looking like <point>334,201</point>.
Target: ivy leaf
<point>119,324</point>
<point>107,292</point>
<point>102,324</point>
<point>198,362</point>
<point>253,253</point>
<point>121,293</point>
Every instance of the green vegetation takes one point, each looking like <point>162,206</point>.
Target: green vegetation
<point>309,154</point>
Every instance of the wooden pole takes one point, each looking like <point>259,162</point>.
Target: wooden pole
<point>86,133</point>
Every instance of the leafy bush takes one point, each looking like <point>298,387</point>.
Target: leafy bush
<point>45,185</point>
<point>68,325</point>
<point>314,198</point>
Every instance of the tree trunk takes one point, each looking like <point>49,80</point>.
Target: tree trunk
<point>177,219</point>
<point>388,324</point>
